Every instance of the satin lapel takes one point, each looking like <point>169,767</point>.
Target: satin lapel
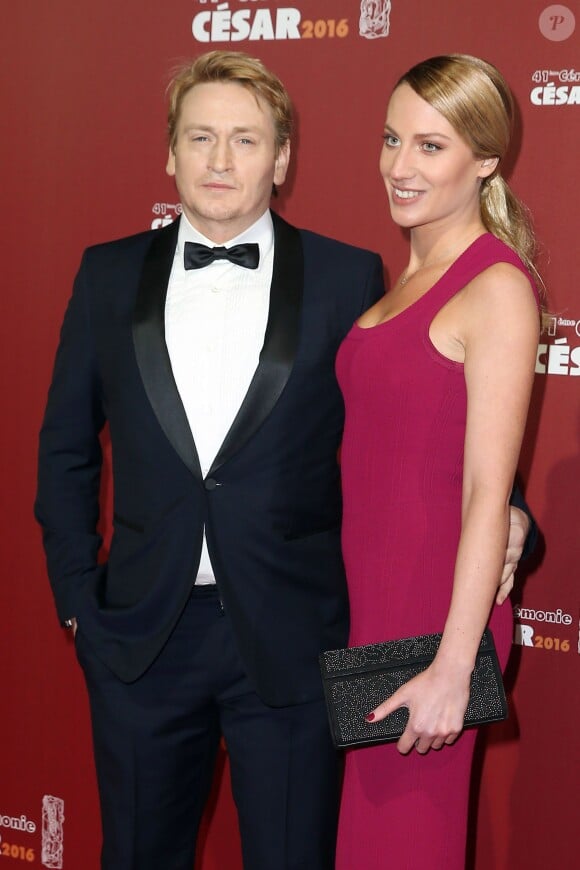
<point>151,350</point>
<point>280,341</point>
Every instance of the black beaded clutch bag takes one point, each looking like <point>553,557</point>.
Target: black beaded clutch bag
<point>359,678</point>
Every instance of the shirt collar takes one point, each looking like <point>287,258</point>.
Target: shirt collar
<point>262,232</point>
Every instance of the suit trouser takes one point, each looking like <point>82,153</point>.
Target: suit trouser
<point>155,743</point>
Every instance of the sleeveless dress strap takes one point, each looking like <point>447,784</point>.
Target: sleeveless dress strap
<point>485,251</point>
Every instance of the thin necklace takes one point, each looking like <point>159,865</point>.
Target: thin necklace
<point>447,253</point>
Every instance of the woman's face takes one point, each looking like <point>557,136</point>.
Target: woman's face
<point>430,173</point>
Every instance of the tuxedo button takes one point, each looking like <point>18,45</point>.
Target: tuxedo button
<point>210,483</point>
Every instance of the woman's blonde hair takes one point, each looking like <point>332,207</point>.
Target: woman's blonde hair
<point>476,100</point>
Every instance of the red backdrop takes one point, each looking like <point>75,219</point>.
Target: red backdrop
<point>83,103</point>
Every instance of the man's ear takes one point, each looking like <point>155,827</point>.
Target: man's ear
<point>170,166</point>
<point>282,163</point>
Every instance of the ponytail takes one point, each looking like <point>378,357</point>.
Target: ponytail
<point>507,218</point>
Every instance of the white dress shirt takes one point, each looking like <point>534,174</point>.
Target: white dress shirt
<point>215,322</point>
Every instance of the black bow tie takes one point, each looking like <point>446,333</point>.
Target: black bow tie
<point>196,256</point>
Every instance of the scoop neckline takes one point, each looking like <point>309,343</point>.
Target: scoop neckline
<point>427,292</point>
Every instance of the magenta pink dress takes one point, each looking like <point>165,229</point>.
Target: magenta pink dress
<point>402,460</point>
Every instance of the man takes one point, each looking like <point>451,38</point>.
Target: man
<point>224,579</point>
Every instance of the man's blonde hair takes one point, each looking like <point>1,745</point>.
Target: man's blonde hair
<point>237,68</point>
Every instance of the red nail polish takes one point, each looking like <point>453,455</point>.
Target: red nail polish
<point>369,717</point>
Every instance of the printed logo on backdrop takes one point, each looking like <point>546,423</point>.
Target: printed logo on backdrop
<point>165,213</point>
<point>52,831</point>
<point>19,835</point>
<point>556,87</point>
<point>253,20</point>
<point>559,347</point>
<point>557,23</point>
<point>375,18</point>
<point>548,630</point>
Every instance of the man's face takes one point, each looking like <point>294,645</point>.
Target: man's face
<point>225,160</point>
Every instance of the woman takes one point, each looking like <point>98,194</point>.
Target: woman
<point>436,379</point>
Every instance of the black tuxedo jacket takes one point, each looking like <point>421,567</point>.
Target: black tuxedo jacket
<point>271,501</point>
